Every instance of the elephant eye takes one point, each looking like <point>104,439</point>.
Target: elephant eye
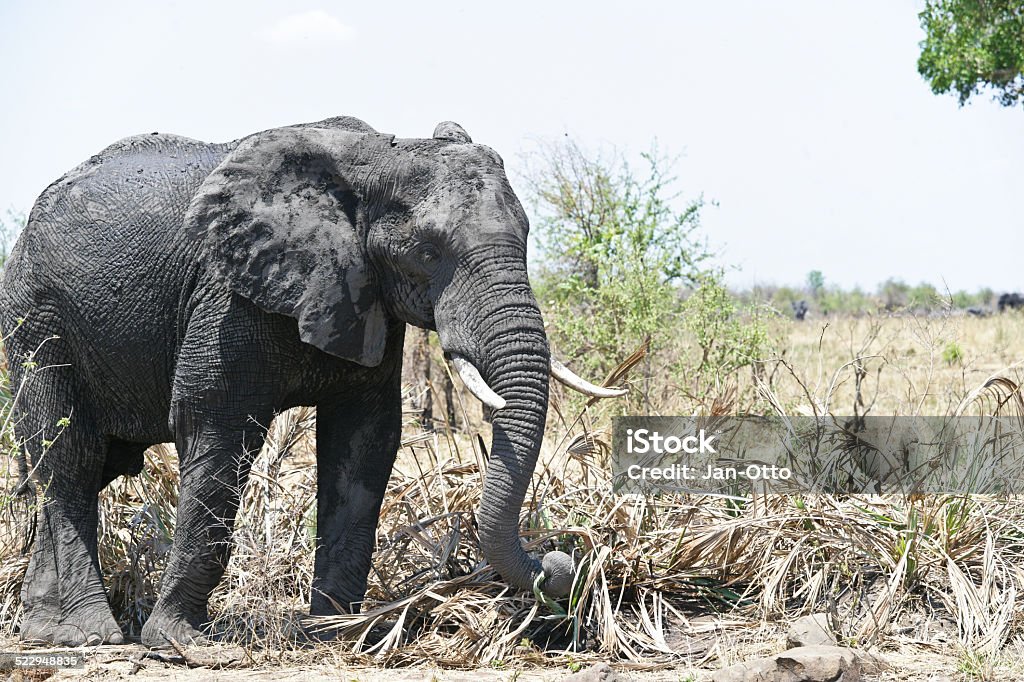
<point>429,255</point>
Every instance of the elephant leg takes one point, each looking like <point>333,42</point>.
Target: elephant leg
<point>214,459</point>
<point>62,596</point>
<point>357,440</point>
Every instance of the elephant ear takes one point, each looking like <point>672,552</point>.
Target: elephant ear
<point>284,225</point>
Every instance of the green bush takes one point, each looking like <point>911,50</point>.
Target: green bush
<point>620,265</point>
<point>614,252</point>
<point>10,226</point>
<point>953,354</point>
<point>924,296</point>
<point>815,283</point>
<point>7,448</point>
<point>729,334</point>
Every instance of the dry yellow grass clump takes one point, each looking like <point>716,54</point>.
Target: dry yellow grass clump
<point>663,580</point>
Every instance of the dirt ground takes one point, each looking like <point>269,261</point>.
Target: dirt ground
<point>912,664</point>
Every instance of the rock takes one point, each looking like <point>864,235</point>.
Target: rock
<point>805,664</point>
<point>811,630</point>
<point>599,672</point>
<point>872,663</point>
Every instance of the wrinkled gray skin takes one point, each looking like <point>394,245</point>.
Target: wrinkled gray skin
<point>197,289</point>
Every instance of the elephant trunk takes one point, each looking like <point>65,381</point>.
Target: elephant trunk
<point>510,350</point>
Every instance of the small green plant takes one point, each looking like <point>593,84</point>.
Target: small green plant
<point>953,354</point>
<point>975,664</point>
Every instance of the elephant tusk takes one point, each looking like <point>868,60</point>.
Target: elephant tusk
<point>567,377</point>
<point>476,384</point>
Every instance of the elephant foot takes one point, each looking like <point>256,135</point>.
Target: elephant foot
<point>88,626</point>
<point>162,627</point>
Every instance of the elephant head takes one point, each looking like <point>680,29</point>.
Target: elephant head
<point>343,228</point>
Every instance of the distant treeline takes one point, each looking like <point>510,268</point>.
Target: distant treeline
<point>892,295</point>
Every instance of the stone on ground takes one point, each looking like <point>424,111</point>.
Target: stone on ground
<point>810,630</point>
<point>599,672</point>
<point>805,664</point>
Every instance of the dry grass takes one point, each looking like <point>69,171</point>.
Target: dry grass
<point>663,581</point>
<point>901,361</point>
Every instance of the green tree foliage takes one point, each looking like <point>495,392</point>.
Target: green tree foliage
<point>614,251</point>
<point>815,282</point>
<point>971,44</point>
<point>10,226</point>
<point>729,335</point>
<point>621,264</point>
<point>839,301</point>
<point>7,448</point>
<point>924,296</point>
<point>892,295</point>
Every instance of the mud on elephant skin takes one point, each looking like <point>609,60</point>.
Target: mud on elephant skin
<point>173,290</point>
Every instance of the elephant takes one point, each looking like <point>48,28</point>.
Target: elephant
<point>1010,301</point>
<point>172,290</point>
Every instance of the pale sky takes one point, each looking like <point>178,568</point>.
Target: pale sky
<point>806,120</point>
